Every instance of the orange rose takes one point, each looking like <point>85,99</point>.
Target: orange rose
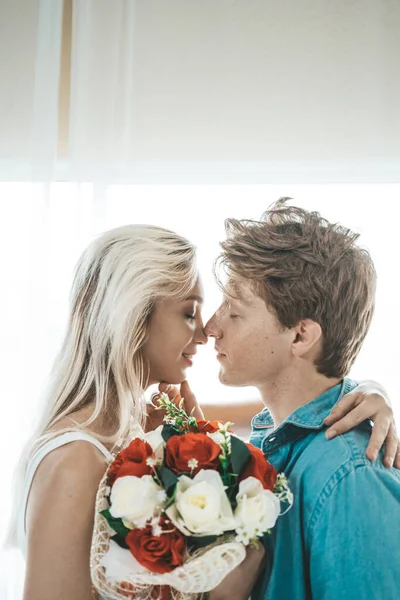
<point>158,553</point>
<point>205,426</point>
<point>260,468</point>
<point>131,461</point>
<point>181,449</point>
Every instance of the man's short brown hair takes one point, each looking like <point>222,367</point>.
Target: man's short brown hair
<point>307,268</point>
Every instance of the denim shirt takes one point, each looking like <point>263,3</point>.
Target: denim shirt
<point>341,538</point>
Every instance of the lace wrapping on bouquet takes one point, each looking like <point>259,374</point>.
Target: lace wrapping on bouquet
<point>202,571</point>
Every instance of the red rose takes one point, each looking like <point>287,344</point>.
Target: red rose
<point>131,461</point>
<point>158,553</point>
<point>181,449</point>
<point>205,426</point>
<point>260,468</point>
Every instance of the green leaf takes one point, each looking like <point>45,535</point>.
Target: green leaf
<point>120,540</point>
<point>115,524</point>
<point>168,431</point>
<point>240,455</point>
<point>168,479</point>
<point>200,542</point>
<point>231,492</point>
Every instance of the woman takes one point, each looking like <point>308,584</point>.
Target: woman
<point>135,321</point>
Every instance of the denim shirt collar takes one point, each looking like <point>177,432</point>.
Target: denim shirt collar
<point>308,417</point>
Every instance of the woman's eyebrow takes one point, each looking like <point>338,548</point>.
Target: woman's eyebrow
<point>198,299</point>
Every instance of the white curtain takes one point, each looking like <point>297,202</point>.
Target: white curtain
<point>241,92</point>
<point>102,111</point>
<point>30,45</point>
<point>193,92</point>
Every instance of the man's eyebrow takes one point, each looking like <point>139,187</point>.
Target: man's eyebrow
<point>235,292</point>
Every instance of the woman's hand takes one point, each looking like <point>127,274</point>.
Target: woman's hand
<point>190,404</point>
<point>369,400</point>
<point>239,583</point>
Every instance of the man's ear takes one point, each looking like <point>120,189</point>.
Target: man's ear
<point>308,336</point>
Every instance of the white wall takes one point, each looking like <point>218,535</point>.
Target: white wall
<point>204,91</point>
<point>201,91</point>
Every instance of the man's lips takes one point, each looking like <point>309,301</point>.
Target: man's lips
<point>220,354</point>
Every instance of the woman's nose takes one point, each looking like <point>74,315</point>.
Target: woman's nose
<point>201,337</point>
<point>212,328</point>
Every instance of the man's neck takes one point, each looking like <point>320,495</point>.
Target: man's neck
<point>292,390</point>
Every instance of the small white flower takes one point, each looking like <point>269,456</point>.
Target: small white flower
<point>157,530</point>
<point>151,461</point>
<point>156,527</point>
<point>242,536</point>
<point>192,463</point>
<point>161,496</point>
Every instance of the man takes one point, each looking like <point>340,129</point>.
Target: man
<point>297,306</point>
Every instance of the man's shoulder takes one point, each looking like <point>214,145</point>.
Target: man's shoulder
<point>348,447</point>
<point>336,473</point>
<point>324,463</point>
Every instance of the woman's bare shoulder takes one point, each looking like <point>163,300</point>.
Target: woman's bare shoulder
<point>59,522</point>
<point>67,475</point>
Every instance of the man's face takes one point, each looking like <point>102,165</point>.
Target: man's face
<point>253,348</point>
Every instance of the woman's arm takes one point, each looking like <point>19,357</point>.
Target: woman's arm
<point>369,400</point>
<point>60,523</point>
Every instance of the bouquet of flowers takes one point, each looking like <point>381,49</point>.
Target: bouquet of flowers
<point>177,508</point>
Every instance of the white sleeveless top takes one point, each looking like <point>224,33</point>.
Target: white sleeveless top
<point>56,442</point>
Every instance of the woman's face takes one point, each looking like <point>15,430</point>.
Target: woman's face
<point>175,330</point>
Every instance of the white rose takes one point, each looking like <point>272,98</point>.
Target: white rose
<point>257,509</point>
<point>135,499</point>
<point>156,441</point>
<point>201,505</point>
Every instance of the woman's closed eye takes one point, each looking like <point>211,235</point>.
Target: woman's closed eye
<point>190,317</point>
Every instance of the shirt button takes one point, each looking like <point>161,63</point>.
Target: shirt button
<point>272,439</point>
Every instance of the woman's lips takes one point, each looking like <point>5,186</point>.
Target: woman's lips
<point>188,359</point>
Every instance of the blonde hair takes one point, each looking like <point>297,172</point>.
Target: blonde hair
<point>118,279</point>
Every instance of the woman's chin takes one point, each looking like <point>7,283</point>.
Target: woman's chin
<point>176,378</point>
